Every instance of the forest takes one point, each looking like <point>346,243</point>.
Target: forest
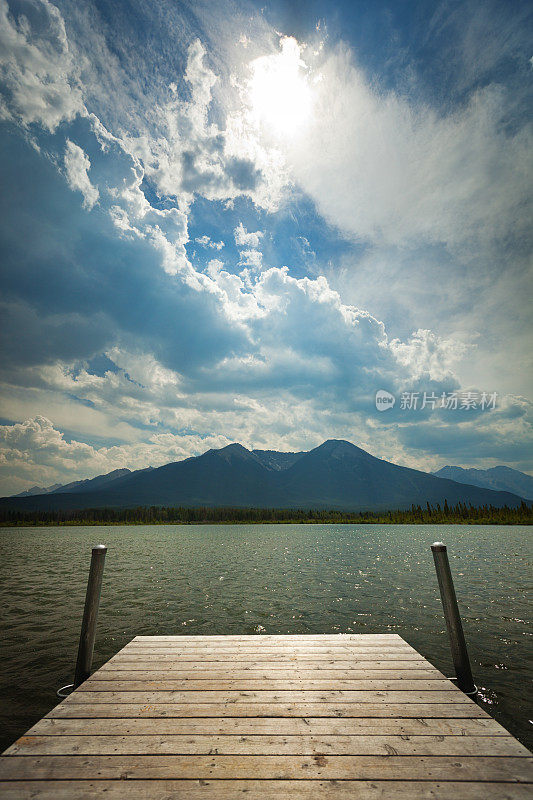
<point>460,514</point>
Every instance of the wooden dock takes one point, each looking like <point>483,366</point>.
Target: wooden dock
<point>267,718</point>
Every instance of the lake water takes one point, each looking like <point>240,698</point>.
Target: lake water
<point>263,579</point>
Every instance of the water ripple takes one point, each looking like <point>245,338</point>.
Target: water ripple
<point>262,579</point>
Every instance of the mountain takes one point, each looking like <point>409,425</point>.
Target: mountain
<point>92,483</point>
<point>335,475</point>
<point>38,490</point>
<point>502,479</point>
<point>340,475</point>
<point>76,486</point>
<point>272,459</point>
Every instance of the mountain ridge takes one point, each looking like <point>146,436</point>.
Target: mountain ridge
<point>500,478</point>
<point>337,474</point>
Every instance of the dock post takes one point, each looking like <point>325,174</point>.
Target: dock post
<point>90,615</point>
<point>454,625</point>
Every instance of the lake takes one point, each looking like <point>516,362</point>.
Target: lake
<point>209,579</point>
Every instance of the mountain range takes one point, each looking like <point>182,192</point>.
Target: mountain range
<point>501,479</point>
<point>335,475</point>
<point>87,485</point>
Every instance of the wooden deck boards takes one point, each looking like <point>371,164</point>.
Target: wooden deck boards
<point>295,717</point>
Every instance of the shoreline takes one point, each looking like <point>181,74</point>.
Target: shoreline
<point>428,514</point>
<point>128,523</point>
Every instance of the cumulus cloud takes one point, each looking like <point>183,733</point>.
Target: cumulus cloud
<point>36,450</point>
<point>77,166</point>
<point>187,155</point>
<point>205,241</point>
<point>249,241</point>
<point>244,238</point>
<point>214,266</point>
<point>251,258</point>
<point>426,354</point>
<point>38,75</point>
<point>235,351</point>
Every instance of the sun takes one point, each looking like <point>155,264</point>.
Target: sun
<point>279,93</point>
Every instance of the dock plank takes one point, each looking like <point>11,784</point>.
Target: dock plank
<point>295,717</point>
<point>119,662</point>
<point>242,709</point>
<point>261,744</point>
<point>171,662</point>
<point>288,726</point>
<point>192,676</point>
<point>255,656</point>
<point>216,766</point>
<point>262,684</point>
<point>287,652</point>
<point>152,695</point>
<point>287,637</point>
<point>262,790</point>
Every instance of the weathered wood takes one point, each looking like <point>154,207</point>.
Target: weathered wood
<point>254,744</point>
<point>281,684</point>
<point>266,697</point>
<point>257,647</point>
<point>262,790</point>
<point>287,651</point>
<point>203,677</point>
<point>275,717</point>
<point>218,658</point>
<point>329,767</point>
<point>273,640</point>
<point>120,663</point>
<point>279,643</point>
<point>265,637</point>
<point>452,616</point>
<point>90,615</point>
<point>242,709</point>
<point>288,726</point>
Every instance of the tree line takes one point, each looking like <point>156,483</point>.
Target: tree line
<point>157,515</point>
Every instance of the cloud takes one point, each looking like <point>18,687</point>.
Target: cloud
<point>223,350</point>
<point>243,238</point>
<point>77,166</point>
<point>38,435</point>
<point>478,40</point>
<point>395,171</point>
<point>251,258</point>
<point>427,355</point>
<point>214,267</point>
<point>205,241</point>
<point>487,439</point>
<point>38,75</point>
<point>37,452</point>
<point>184,154</point>
<point>30,337</point>
<point>36,449</point>
<point>70,296</point>
<point>271,360</point>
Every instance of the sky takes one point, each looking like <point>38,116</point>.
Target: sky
<point>273,223</point>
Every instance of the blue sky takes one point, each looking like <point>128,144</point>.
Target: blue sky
<point>237,222</point>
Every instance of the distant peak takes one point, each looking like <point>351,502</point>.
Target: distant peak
<point>340,448</point>
<point>340,445</point>
<point>233,450</point>
<point>234,447</point>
